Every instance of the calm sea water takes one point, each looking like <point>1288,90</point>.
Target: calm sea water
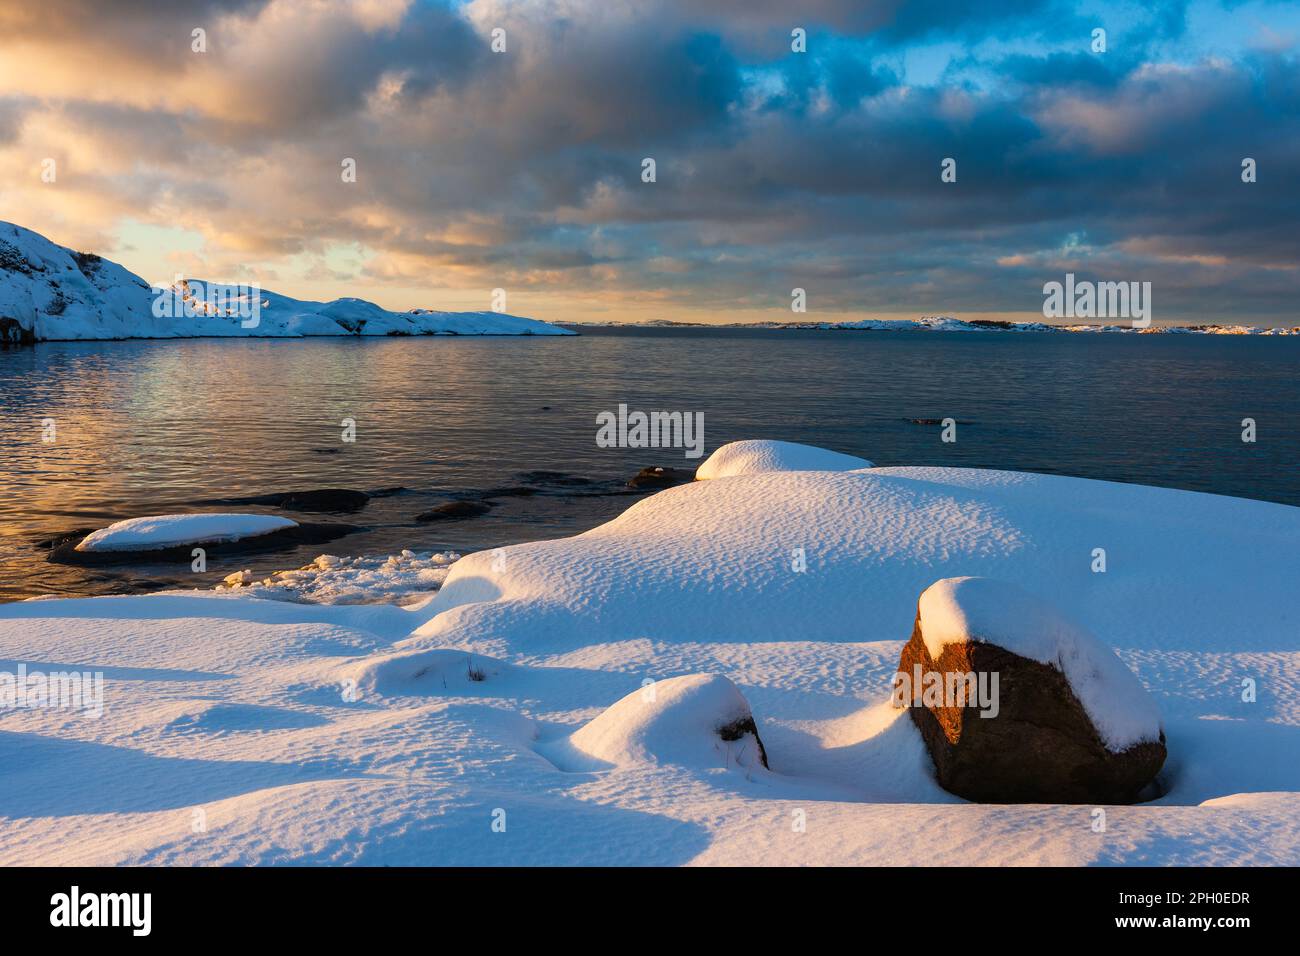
<point>154,426</point>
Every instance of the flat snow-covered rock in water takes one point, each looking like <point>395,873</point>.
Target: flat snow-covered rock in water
<point>956,610</point>
<point>758,456</point>
<point>700,720</point>
<point>167,531</point>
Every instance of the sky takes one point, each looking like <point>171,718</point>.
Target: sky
<point>523,169</point>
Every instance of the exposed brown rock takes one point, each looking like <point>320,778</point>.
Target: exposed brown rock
<point>1040,748</point>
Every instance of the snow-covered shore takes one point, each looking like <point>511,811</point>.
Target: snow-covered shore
<point>947,323</point>
<point>514,718</point>
<point>51,293</point>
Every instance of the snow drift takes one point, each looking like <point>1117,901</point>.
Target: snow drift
<point>49,292</point>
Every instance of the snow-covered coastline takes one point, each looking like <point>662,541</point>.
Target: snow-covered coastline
<point>524,691</point>
<point>51,293</point>
<point>946,323</point>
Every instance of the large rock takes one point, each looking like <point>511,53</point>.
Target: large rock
<point>1066,721</point>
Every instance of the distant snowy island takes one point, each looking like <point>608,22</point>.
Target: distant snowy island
<point>51,293</point>
<point>947,323</point>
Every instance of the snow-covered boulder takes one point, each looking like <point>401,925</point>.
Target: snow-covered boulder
<point>1018,704</point>
<point>760,455</point>
<point>699,720</point>
<point>50,292</point>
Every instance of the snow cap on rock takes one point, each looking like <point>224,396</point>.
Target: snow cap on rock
<point>954,610</point>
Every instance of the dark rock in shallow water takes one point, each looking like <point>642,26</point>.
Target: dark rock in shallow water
<point>654,478</point>
<point>1041,747</point>
<point>513,491</point>
<point>64,547</point>
<point>325,499</point>
<point>338,500</point>
<point>454,510</point>
<point>560,478</point>
<point>62,538</point>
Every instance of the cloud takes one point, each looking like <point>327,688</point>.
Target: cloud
<point>478,169</point>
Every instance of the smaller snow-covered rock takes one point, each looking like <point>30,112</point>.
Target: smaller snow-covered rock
<point>699,720</point>
<point>157,532</point>
<point>757,456</point>
<point>441,670</point>
<point>1017,704</point>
